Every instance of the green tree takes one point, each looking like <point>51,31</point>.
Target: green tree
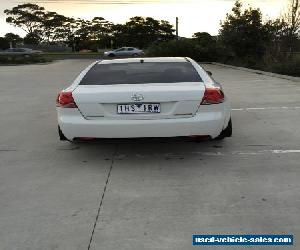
<point>14,39</point>
<point>82,36</point>
<point>291,19</point>
<point>120,35</point>
<point>275,30</point>
<point>202,47</point>
<point>70,32</point>
<point>183,48</point>
<point>244,33</point>
<point>100,28</point>
<point>205,46</point>
<point>166,30</point>
<point>39,24</point>
<point>203,38</point>
<point>4,43</point>
<point>33,38</point>
<point>54,27</point>
<point>102,31</point>
<point>99,32</point>
<point>28,17</point>
<point>142,32</point>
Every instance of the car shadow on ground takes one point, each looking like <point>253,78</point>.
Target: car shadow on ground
<point>173,148</point>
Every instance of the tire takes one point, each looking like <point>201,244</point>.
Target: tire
<point>227,132</point>
<point>111,55</point>
<point>135,55</point>
<point>61,135</point>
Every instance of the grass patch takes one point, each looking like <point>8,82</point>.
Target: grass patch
<point>71,53</point>
<point>287,65</point>
<point>21,59</point>
<point>290,67</point>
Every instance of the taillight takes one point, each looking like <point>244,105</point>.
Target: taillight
<point>213,95</point>
<point>65,100</point>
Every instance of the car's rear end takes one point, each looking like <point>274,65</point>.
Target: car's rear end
<point>149,97</point>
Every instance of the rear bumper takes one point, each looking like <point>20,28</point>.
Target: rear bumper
<point>210,123</point>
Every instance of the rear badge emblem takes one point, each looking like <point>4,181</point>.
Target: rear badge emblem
<point>137,97</point>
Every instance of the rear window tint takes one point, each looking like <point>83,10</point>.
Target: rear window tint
<point>139,73</point>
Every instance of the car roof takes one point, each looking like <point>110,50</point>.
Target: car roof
<point>124,48</point>
<point>145,59</point>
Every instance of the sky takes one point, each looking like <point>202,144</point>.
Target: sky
<point>194,15</point>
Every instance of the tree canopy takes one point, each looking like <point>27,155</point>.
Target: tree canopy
<point>28,17</point>
<point>243,32</point>
<point>41,25</point>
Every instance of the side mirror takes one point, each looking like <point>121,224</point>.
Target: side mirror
<point>209,73</point>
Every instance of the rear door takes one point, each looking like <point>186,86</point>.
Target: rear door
<point>120,52</point>
<point>130,51</point>
<point>173,89</point>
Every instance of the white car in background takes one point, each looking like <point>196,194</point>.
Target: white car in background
<point>124,52</point>
<point>20,51</point>
<point>143,97</point>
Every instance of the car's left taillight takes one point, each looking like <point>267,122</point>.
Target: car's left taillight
<point>65,100</point>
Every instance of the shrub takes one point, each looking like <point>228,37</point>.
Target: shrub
<point>185,48</point>
<point>288,67</point>
<point>20,59</point>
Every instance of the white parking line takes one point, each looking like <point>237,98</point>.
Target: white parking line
<point>172,155</point>
<point>265,108</point>
<point>260,152</point>
<point>212,153</point>
<point>285,151</point>
<point>237,109</point>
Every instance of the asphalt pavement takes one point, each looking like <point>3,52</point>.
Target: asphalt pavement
<point>146,194</point>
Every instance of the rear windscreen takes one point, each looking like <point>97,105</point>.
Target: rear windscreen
<point>139,73</point>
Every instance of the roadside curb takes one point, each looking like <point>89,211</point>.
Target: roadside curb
<point>25,64</point>
<point>286,77</point>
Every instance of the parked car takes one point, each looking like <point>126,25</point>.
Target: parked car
<point>20,51</point>
<point>124,52</point>
<point>149,97</point>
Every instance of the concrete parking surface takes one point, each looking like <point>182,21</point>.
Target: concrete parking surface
<point>146,194</point>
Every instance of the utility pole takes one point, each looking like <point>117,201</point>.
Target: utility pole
<point>176,28</point>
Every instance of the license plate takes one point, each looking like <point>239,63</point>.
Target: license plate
<point>139,108</point>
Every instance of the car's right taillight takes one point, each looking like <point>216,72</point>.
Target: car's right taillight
<point>65,100</point>
<point>212,95</point>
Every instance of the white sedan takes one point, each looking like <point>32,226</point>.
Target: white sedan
<point>124,52</point>
<point>143,97</point>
